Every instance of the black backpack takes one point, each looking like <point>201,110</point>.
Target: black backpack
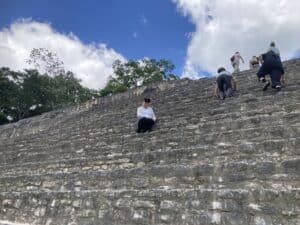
<point>232,58</point>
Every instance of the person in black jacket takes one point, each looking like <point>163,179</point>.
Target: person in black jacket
<point>271,65</point>
<point>225,84</point>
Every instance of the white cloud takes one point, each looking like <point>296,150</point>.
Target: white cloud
<point>91,63</point>
<point>189,35</point>
<point>135,34</point>
<point>143,20</point>
<point>223,27</point>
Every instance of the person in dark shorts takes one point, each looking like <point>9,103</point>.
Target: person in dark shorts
<point>225,84</point>
<point>146,117</point>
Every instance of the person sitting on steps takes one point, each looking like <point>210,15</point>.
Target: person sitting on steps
<point>271,65</point>
<point>225,84</point>
<point>146,117</point>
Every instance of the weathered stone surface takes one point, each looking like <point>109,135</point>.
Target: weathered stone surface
<point>207,162</point>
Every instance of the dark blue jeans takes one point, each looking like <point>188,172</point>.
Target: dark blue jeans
<point>272,65</point>
<point>225,85</point>
<point>145,125</point>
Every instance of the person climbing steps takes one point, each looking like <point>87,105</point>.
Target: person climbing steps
<point>271,65</point>
<point>225,84</point>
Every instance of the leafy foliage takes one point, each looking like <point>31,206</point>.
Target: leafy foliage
<point>29,93</point>
<point>132,73</point>
<point>44,60</point>
<point>25,94</point>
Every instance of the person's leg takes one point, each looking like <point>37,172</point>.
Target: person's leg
<point>148,125</point>
<point>141,125</point>
<point>228,86</point>
<point>220,83</point>
<point>233,65</point>
<point>236,67</point>
<point>222,95</point>
<point>276,79</point>
<point>283,81</point>
<point>261,74</point>
<point>234,83</point>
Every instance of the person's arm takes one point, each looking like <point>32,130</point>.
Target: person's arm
<point>153,115</point>
<point>139,115</point>
<point>216,91</point>
<point>260,59</point>
<point>242,58</point>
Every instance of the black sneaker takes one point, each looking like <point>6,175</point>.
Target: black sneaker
<point>278,87</point>
<point>262,79</point>
<point>266,86</point>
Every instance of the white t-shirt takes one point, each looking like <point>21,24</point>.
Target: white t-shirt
<point>143,112</point>
<point>225,73</point>
<point>237,58</point>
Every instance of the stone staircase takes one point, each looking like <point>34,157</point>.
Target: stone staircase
<point>207,161</point>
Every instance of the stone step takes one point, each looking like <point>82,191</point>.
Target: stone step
<point>241,150</point>
<point>219,101</point>
<point>182,119</point>
<point>132,142</point>
<point>157,206</point>
<point>77,150</point>
<point>77,131</point>
<point>207,162</point>
<point>224,172</point>
<point>248,77</point>
<point>129,127</point>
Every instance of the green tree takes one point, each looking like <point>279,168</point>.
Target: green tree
<point>68,90</point>
<point>10,90</point>
<point>36,94</point>
<point>28,93</point>
<point>132,73</point>
<point>113,87</point>
<point>46,61</point>
<point>3,118</point>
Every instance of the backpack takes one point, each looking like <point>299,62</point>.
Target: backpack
<point>232,58</point>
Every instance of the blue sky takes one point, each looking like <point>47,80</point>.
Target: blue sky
<point>134,28</point>
<point>196,35</point>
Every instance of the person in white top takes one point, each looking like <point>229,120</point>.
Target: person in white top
<point>145,116</point>
<point>235,62</point>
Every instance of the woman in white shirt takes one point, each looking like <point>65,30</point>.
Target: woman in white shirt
<point>235,62</point>
<point>146,117</point>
